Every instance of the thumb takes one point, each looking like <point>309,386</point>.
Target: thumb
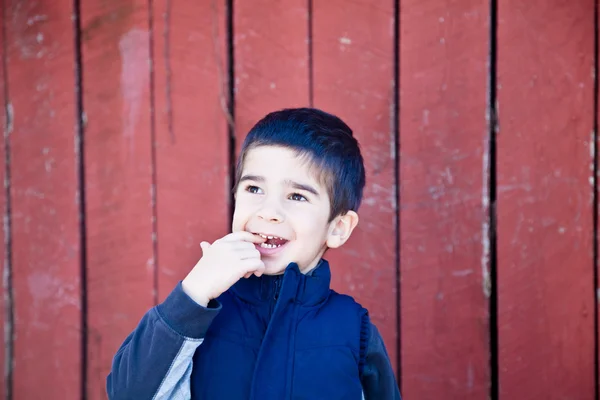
<point>204,246</point>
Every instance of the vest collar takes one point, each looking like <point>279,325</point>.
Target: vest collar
<point>307,289</point>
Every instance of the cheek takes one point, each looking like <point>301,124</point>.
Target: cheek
<point>240,217</point>
<point>236,224</point>
<point>310,226</point>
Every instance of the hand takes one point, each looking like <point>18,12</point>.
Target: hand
<point>223,263</point>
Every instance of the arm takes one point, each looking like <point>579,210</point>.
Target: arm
<point>155,361</point>
<point>378,380</point>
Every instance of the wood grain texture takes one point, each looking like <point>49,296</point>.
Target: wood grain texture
<point>443,199</point>
<point>192,139</point>
<point>545,213</point>
<point>353,60</point>
<point>118,177</point>
<point>5,291</point>
<point>270,59</point>
<point>44,197</point>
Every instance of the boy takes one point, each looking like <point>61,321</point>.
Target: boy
<point>255,318</point>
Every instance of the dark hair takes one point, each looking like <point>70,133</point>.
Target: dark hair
<point>326,142</point>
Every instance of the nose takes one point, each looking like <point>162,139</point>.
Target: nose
<point>270,211</point>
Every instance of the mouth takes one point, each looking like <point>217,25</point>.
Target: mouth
<point>272,241</point>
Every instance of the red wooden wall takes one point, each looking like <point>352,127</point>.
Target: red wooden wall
<point>477,248</point>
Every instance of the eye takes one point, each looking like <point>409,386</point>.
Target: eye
<point>297,197</point>
<point>253,189</point>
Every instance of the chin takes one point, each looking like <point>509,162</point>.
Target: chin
<point>274,269</point>
<point>274,272</point>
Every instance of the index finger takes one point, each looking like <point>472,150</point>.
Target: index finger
<point>245,236</point>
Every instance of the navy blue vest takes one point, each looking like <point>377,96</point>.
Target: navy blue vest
<point>283,337</point>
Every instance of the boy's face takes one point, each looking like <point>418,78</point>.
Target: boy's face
<point>279,197</point>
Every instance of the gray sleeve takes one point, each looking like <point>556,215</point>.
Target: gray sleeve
<point>155,361</point>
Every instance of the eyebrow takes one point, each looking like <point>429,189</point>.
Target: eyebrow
<point>287,182</point>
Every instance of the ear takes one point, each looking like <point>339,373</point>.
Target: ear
<point>341,228</point>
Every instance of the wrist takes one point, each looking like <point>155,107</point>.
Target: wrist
<point>197,295</point>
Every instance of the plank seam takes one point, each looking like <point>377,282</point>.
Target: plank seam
<point>153,156</point>
<point>7,275</point>
<point>231,103</point>
<point>396,127</point>
<point>491,284</point>
<point>310,54</point>
<point>595,206</point>
<point>80,159</point>
<point>224,74</point>
<point>168,70</point>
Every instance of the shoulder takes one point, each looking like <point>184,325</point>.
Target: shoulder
<point>343,303</point>
<point>358,316</point>
<point>346,301</point>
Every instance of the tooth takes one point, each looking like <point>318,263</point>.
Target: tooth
<point>269,237</point>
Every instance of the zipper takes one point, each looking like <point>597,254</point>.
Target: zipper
<point>277,288</point>
<point>273,297</point>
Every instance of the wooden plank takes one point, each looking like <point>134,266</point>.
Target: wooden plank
<point>118,177</point>
<point>5,294</point>
<point>353,60</point>
<point>44,198</point>
<point>270,59</point>
<point>192,141</point>
<point>443,199</point>
<point>545,212</point>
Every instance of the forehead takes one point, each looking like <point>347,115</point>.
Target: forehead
<point>280,163</point>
